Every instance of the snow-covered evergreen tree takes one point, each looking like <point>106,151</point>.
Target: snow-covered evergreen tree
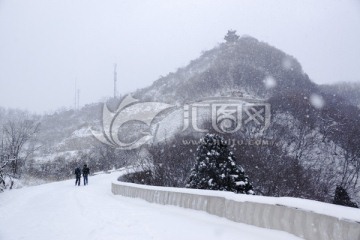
<point>215,168</point>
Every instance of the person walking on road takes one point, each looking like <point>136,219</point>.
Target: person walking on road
<point>78,176</point>
<point>85,172</point>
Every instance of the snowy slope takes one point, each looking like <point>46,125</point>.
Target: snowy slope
<point>62,211</point>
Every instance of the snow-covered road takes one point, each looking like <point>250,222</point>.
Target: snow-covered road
<point>62,211</point>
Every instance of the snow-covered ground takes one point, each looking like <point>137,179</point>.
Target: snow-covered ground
<point>62,211</point>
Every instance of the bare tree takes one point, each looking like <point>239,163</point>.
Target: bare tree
<point>16,134</point>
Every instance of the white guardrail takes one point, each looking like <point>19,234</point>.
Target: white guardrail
<point>305,224</point>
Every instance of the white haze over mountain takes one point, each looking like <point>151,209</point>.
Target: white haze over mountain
<point>45,45</point>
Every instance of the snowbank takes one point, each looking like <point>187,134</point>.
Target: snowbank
<point>304,218</point>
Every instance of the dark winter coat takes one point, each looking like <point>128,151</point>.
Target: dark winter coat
<point>77,172</point>
<point>86,171</point>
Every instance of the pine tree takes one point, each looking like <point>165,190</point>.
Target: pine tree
<point>231,36</point>
<point>342,198</point>
<point>215,168</point>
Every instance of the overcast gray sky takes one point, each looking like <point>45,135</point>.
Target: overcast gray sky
<point>45,45</point>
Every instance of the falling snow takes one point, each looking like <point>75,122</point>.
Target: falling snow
<point>317,101</point>
<point>269,82</point>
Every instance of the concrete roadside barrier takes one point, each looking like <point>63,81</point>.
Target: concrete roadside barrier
<point>302,223</point>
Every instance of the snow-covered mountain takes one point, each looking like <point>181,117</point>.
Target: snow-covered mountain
<point>244,68</point>
<point>309,123</point>
<point>347,90</point>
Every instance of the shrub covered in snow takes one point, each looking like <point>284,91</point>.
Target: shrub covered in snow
<point>215,168</point>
